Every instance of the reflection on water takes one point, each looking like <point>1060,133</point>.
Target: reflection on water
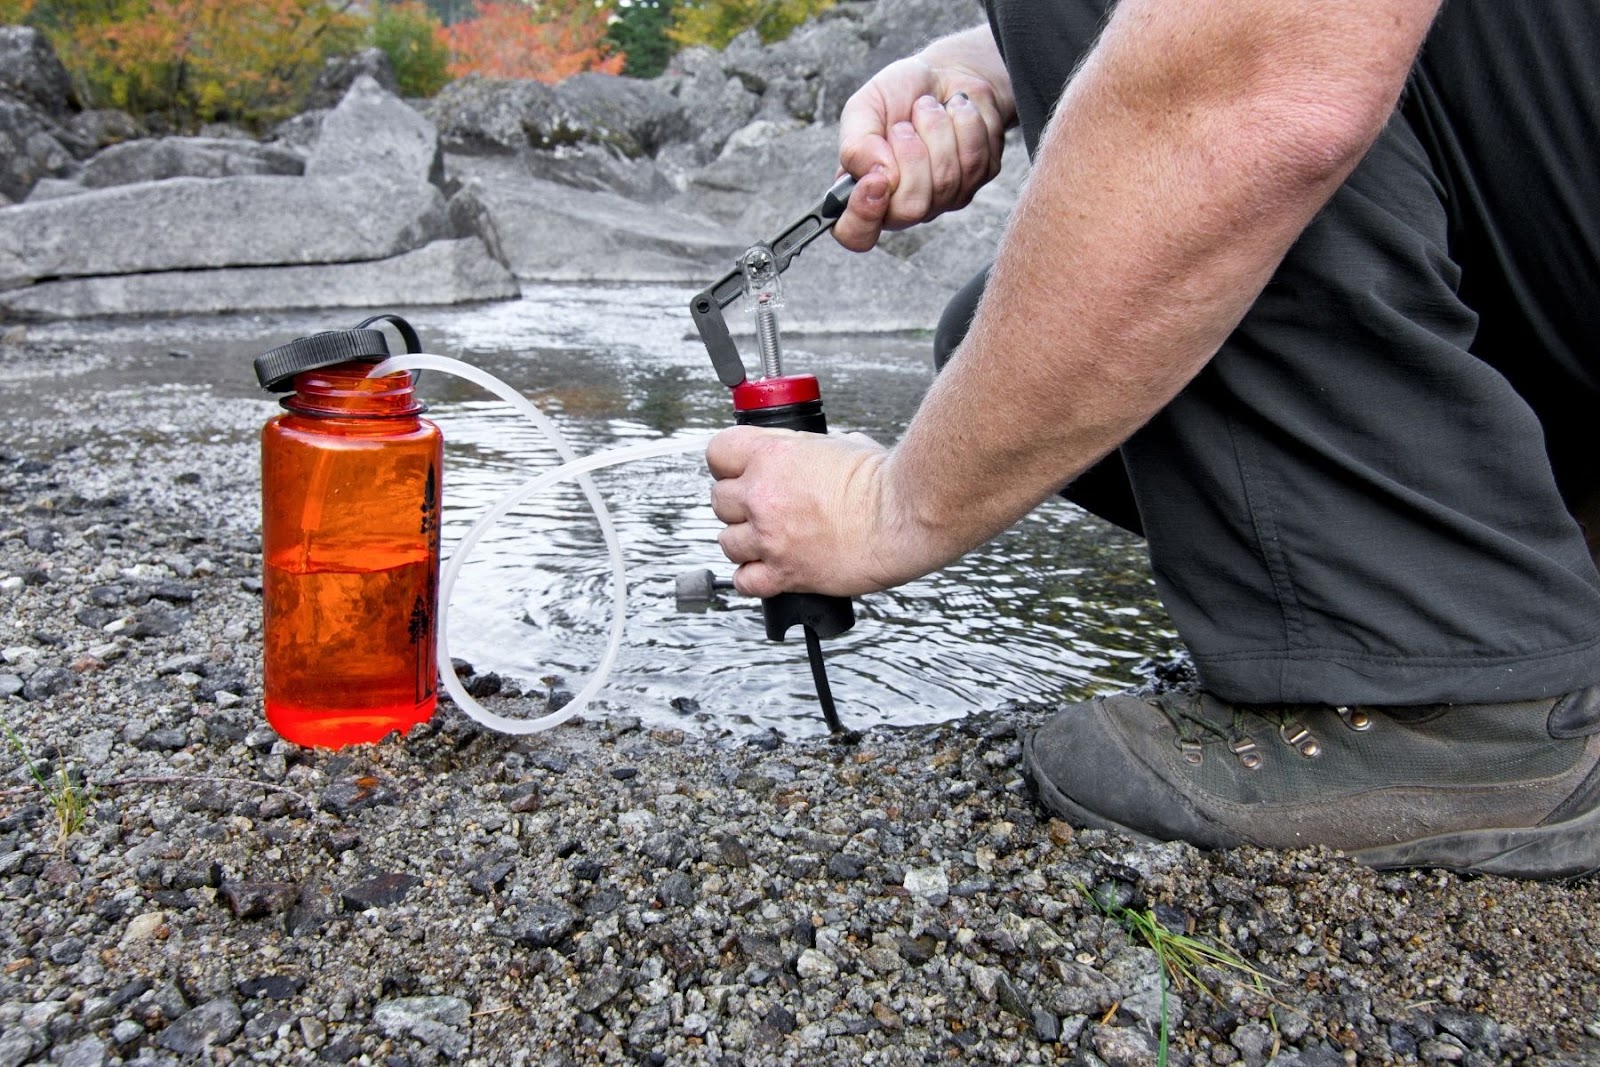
<point>1056,608</point>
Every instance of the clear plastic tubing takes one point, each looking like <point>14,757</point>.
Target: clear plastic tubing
<point>573,468</point>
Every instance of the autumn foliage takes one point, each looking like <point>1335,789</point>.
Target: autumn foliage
<point>195,61</point>
<point>545,42</point>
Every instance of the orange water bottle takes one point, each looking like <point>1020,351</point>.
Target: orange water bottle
<point>350,488</point>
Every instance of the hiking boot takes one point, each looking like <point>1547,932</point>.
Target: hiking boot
<point>1509,789</point>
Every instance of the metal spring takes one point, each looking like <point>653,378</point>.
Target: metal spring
<point>767,340</point>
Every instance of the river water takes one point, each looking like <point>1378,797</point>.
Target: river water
<point>1059,607</point>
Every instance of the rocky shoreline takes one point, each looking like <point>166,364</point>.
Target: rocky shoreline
<point>613,893</point>
<point>367,200</point>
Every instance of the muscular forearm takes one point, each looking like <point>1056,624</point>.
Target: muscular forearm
<point>1192,148</point>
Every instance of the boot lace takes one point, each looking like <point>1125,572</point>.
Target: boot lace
<point>1195,729</point>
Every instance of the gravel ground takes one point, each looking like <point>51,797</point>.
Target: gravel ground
<point>613,893</point>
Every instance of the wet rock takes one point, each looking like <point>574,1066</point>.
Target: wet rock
<point>434,1021</point>
<point>918,950</point>
<point>815,966</point>
<point>845,867</point>
<point>215,1022</point>
<point>166,739</point>
<point>649,1025</point>
<point>488,875</point>
<point>253,900</point>
<point>271,986</point>
<point>67,951</point>
<point>356,794</point>
<point>676,891</point>
<point>267,1024</point>
<point>86,1052</point>
<point>931,884</point>
<point>19,1045</point>
<point>545,925</point>
<point>156,622</point>
<point>485,685</point>
<point>47,682</point>
<point>599,989</point>
<point>1085,991</point>
<point>382,891</point>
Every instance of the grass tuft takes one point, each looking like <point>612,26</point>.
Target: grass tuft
<point>68,799</point>
<point>1181,956</point>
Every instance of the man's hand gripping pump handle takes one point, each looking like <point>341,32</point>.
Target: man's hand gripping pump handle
<point>790,402</point>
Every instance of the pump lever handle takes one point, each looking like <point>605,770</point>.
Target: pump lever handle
<point>706,307</point>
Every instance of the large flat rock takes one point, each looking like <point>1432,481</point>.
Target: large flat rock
<point>194,223</point>
<point>555,232</point>
<point>445,272</point>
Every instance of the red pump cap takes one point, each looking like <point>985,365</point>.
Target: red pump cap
<point>776,392</point>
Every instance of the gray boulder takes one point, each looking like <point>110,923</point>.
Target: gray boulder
<point>31,147</point>
<point>100,128</point>
<point>600,169</point>
<point>153,159</point>
<point>635,118</point>
<point>191,223</point>
<point>31,73</point>
<point>444,272</point>
<point>36,107</point>
<point>483,115</point>
<point>556,232</point>
<point>766,174</point>
<point>373,132</point>
<point>897,28</point>
<point>339,73</point>
<point>715,101</point>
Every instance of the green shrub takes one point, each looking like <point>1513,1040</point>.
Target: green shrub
<point>716,22</point>
<point>408,33</point>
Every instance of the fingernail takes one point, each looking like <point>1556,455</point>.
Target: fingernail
<point>905,131</point>
<point>929,103</point>
<point>960,100</point>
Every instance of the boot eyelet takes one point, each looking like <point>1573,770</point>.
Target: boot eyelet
<point>1354,718</point>
<point>1192,754</point>
<point>1249,755</point>
<point>1295,734</point>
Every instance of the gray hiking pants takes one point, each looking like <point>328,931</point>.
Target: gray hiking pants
<point>1369,495</point>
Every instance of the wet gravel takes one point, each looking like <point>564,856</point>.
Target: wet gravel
<point>616,893</point>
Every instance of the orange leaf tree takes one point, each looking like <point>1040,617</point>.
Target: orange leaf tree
<point>545,41</point>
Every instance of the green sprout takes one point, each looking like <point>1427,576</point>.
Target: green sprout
<point>67,798</point>
<point>1181,956</point>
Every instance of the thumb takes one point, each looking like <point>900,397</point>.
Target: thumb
<point>755,579</point>
<point>858,228</point>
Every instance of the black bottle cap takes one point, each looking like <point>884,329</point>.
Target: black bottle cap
<point>275,370</point>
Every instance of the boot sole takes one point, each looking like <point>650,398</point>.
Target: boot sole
<point>1563,851</point>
